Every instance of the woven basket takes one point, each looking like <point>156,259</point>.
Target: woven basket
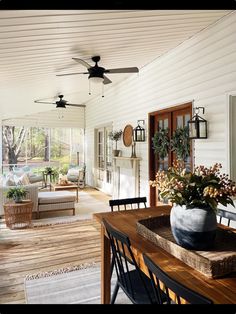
<point>18,215</point>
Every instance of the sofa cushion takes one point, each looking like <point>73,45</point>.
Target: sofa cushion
<point>56,197</point>
<point>56,206</point>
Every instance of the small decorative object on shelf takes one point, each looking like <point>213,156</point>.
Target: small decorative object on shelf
<point>128,135</point>
<point>133,154</point>
<point>195,197</point>
<point>115,136</point>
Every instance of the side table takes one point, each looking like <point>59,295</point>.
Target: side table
<point>18,215</point>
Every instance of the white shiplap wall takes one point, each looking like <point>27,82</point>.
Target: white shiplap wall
<point>202,69</point>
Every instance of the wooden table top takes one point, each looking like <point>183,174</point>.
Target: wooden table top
<point>69,185</point>
<point>220,290</point>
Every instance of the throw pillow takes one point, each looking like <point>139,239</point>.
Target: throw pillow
<point>18,172</point>
<point>73,172</point>
<point>23,180</point>
<point>10,179</point>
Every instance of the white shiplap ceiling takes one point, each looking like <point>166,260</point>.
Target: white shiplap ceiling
<point>35,45</point>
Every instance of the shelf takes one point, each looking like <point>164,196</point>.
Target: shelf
<point>127,158</point>
<point>126,162</point>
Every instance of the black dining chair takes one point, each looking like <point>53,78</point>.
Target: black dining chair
<point>182,292</point>
<point>227,215</point>
<point>135,284</point>
<point>128,203</point>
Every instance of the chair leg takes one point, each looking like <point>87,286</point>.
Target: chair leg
<point>112,265</point>
<point>114,295</point>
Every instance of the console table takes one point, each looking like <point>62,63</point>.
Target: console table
<point>128,163</point>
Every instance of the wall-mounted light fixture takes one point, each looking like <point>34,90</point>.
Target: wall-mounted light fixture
<point>139,132</point>
<point>197,125</point>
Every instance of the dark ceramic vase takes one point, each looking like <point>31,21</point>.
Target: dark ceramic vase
<point>195,228</point>
<point>18,199</point>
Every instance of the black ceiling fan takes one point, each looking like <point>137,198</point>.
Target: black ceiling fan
<point>98,72</point>
<point>60,103</point>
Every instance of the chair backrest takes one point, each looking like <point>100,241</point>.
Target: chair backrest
<point>227,215</point>
<point>124,260</point>
<point>128,203</point>
<point>157,274</point>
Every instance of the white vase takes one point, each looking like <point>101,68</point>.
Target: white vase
<point>193,228</point>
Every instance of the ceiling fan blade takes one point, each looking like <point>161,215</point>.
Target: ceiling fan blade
<point>122,70</point>
<point>84,63</point>
<point>106,80</point>
<point>72,73</point>
<point>44,102</point>
<point>76,105</point>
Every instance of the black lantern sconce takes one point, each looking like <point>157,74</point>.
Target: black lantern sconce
<point>139,133</point>
<point>197,125</point>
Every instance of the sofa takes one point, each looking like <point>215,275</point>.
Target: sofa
<point>33,177</point>
<point>42,201</point>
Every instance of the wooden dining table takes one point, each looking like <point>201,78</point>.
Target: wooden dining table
<point>220,290</point>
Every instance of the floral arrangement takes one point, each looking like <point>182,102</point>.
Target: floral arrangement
<point>115,136</point>
<point>202,188</point>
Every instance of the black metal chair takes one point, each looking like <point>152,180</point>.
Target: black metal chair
<point>135,284</point>
<point>227,215</point>
<point>182,292</point>
<point>128,203</point>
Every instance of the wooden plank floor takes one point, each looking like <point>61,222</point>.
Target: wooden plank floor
<point>33,250</point>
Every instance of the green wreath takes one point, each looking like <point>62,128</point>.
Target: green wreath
<point>180,143</point>
<point>161,142</point>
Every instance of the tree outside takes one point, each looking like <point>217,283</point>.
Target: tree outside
<point>36,145</point>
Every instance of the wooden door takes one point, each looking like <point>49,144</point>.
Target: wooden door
<point>171,118</point>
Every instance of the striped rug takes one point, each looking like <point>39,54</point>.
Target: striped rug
<point>71,285</point>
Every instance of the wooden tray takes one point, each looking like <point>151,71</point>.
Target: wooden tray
<point>216,263</point>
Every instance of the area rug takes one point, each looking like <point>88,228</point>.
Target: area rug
<point>71,285</point>
<point>84,210</point>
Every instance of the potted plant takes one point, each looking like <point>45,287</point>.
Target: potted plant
<point>115,136</point>
<point>16,193</point>
<point>195,197</point>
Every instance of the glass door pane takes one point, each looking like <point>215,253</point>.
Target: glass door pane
<point>104,160</point>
